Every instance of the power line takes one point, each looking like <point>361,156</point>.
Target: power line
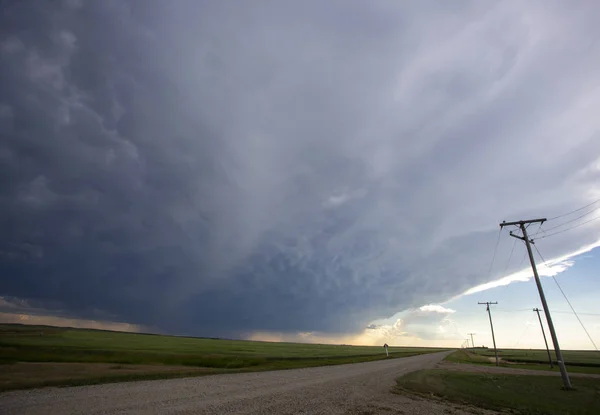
<point>574,312</point>
<point>510,257</point>
<point>572,220</point>
<point>583,314</point>
<point>576,210</point>
<point>521,310</point>
<point>513,311</point>
<point>568,302</point>
<point>539,229</point>
<point>568,229</point>
<point>525,254</point>
<point>523,260</point>
<point>522,334</point>
<point>494,256</point>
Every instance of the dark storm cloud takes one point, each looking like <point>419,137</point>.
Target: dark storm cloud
<point>219,168</point>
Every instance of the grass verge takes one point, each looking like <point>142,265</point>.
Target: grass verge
<point>479,358</point>
<point>33,375</point>
<point>526,394</point>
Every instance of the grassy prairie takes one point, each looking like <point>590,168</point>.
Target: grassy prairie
<point>580,361</point>
<point>31,375</point>
<point>525,394</point>
<point>111,356</point>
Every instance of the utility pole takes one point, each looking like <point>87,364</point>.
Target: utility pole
<point>472,342</point>
<point>537,310</point>
<point>559,356</point>
<point>487,303</point>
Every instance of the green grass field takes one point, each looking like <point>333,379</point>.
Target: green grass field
<point>34,356</point>
<point>572,357</point>
<point>579,361</point>
<point>525,394</point>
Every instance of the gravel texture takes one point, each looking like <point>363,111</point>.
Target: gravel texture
<point>362,388</point>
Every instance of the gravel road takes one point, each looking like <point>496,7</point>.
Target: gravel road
<point>362,388</point>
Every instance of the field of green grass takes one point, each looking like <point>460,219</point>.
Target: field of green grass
<point>579,361</point>
<point>59,353</point>
<point>525,394</point>
<point>573,357</point>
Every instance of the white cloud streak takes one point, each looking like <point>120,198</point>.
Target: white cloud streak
<point>551,268</point>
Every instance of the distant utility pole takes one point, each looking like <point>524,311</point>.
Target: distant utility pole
<point>487,303</point>
<point>537,310</point>
<point>559,356</point>
<point>472,342</point>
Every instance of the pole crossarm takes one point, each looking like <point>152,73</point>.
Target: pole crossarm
<point>522,222</point>
<point>517,236</point>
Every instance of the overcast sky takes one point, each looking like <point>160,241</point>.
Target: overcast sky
<point>267,169</point>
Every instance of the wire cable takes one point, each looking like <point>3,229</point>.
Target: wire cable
<point>576,210</point>
<point>525,254</point>
<point>510,256</point>
<point>522,260</point>
<point>584,314</point>
<point>512,311</point>
<point>568,229</point>
<point>538,230</point>
<point>573,220</point>
<point>568,302</point>
<point>494,256</point>
<point>527,325</point>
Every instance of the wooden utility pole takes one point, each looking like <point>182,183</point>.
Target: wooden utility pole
<point>537,310</point>
<point>472,342</point>
<point>559,357</point>
<point>487,303</point>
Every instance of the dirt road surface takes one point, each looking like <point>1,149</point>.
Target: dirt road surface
<point>362,388</point>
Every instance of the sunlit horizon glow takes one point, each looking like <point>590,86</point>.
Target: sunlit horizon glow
<point>314,171</point>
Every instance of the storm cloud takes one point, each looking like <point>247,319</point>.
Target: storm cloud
<point>220,168</point>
